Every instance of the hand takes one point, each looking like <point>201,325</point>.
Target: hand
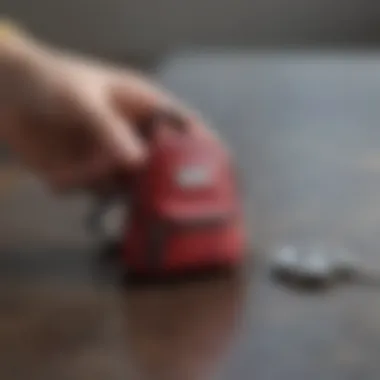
<point>70,120</point>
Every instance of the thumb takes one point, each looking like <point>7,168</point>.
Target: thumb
<point>114,144</point>
<point>114,132</point>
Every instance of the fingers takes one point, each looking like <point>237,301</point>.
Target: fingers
<point>90,128</point>
<point>113,130</point>
<point>118,133</point>
<point>114,145</point>
<point>76,151</point>
<point>137,97</point>
<point>80,174</point>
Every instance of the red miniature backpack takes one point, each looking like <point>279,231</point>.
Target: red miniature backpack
<point>186,210</point>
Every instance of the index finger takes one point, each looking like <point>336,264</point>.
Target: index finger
<point>138,96</point>
<point>113,131</point>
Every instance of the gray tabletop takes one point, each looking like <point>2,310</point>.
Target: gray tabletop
<point>305,132</point>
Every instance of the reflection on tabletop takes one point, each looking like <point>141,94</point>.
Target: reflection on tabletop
<point>182,331</point>
<point>75,332</point>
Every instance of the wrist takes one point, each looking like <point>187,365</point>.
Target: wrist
<point>14,48</point>
<point>13,58</point>
<point>21,58</point>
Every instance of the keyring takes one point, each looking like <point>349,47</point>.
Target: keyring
<point>311,267</point>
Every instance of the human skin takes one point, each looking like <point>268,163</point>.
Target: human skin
<point>73,120</point>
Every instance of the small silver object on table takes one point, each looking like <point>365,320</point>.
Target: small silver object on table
<point>312,268</point>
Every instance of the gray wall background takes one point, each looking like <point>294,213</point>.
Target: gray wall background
<point>147,29</point>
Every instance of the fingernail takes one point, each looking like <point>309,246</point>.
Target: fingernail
<point>135,155</point>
